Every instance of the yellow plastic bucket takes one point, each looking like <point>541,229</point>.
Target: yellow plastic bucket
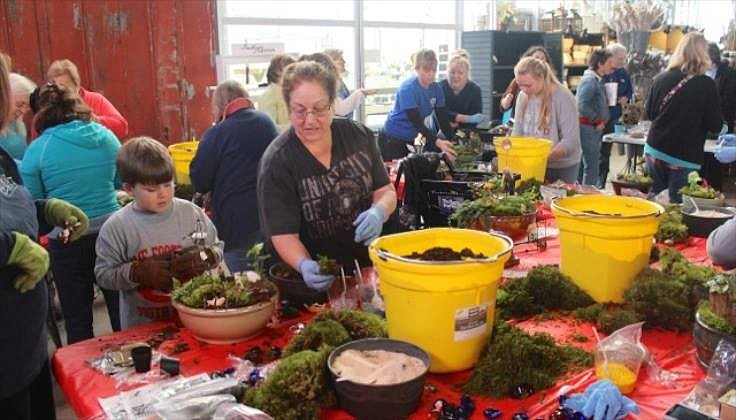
<point>183,153</point>
<point>527,156</point>
<point>444,307</point>
<point>605,241</point>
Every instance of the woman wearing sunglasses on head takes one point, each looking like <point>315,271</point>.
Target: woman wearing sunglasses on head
<point>322,187</point>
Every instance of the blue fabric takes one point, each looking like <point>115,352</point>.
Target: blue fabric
<point>591,98</point>
<point>667,179</point>
<point>569,174</point>
<point>226,164</point>
<point>412,95</point>
<point>74,162</point>
<point>590,141</point>
<point>625,89</point>
<point>13,141</point>
<point>342,93</point>
<point>669,159</point>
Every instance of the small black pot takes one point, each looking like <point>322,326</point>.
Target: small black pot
<point>703,226</point>
<point>292,287</point>
<point>380,402</point>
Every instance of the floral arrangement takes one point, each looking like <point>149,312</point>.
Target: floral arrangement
<point>638,15</point>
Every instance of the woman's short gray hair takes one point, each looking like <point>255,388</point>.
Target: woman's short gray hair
<point>226,92</point>
<point>20,85</point>
<point>616,49</point>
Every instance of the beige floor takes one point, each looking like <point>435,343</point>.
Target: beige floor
<point>102,322</point>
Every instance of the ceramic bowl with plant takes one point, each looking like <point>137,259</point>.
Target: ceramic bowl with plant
<point>636,179</point>
<point>510,214</point>
<point>222,309</point>
<point>698,191</point>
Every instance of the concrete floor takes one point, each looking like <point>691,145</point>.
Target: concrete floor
<point>102,322</point>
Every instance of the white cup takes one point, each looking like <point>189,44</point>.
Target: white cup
<point>612,93</point>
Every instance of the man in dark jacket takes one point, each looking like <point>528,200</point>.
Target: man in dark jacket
<point>226,165</point>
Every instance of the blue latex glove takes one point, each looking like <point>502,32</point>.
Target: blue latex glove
<point>309,269</point>
<point>474,119</point>
<point>369,225</point>
<point>724,129</point>
<point>725,154</point>
<point>603,401</point>
<point>727,140</point>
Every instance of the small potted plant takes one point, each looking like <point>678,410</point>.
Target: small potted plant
<point>222,309</point>
<point>722,296</point>
<point>698,191</point>
<point>511,214</point>
<point>633,177</point>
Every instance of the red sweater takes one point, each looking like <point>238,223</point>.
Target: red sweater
<point>105,113</point>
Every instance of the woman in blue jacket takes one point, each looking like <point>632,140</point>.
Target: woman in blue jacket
<point>74,160</point>
<point>593,110</point>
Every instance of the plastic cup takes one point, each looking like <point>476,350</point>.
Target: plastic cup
<point>141,358</point>
<point>344,295</point>
<point>612,93</point>
<point>620,366</point>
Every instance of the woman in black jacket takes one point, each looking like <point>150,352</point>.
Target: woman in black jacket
<point>683,106</point>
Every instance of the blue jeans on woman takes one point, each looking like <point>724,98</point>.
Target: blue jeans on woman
<point>590,140</point>
<point>569,174</point>
<point>666,177</point>
<point>73,267</point>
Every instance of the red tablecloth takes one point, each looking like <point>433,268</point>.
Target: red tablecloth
<point>82,385</point>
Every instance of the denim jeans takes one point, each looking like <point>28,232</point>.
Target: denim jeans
<point>73,267</point>
<point>666,178</point>
<point>235,258</point>
<point>605,157</point>
<point>590,140</point>
<point>569,174</point>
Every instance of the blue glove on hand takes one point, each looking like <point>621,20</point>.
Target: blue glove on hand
<point>474,119</point>
<point>725,154</point>
<point>727,140</point>
<point>602,400</point>
<point>369,225</point>
<point>309,269</point>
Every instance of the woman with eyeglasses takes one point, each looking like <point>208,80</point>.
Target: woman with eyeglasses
<point>416,99</point>
<point>322,187</point>
<point>13,136</point>
<point>547,109</point>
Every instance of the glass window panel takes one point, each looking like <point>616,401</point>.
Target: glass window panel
<point>290,9</point>
<point>419,11</point>
<point>295,40</point>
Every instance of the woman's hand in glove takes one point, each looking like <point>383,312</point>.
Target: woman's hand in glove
<point>193,261</point>
<point>31,259</point>
<point>369,225</point>
<point>66,216</point>
<point>309,269</point>
<point>153,272</point>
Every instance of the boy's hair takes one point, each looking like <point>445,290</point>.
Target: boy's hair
<point>143,160</point>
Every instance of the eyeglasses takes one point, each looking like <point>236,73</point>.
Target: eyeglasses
<point>318,111</point>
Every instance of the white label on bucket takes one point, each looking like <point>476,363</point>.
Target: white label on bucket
<point>471,322</point>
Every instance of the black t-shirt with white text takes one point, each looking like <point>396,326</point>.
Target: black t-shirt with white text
<point>297,194</point>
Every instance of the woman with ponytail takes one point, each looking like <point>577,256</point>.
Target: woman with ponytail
<point>547,109</point>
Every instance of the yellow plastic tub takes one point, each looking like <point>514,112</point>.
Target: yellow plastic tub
<point>444,307</point>
<point>183,153</point>
<point>527,156</point>
<point>605,241</point>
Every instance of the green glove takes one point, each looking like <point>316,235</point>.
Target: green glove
<point>31,258</point>
<point>68,217</point>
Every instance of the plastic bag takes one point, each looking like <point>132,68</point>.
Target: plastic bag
<point>721,372</point>
<point>193,408</point>
<point>233,411</point>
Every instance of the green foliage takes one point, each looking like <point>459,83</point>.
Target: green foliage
<point>296,389</point>
<point>358,324</point>
<point>530,187</point>
<point>671,228</point>
<point>634,178</point>
<point>514,358</point>
<point>542,289</point>
<point>723,283</point>
<point>317,334</point>
<point>660,299</point>
<point>610,321</point>
<point>489,204</point>
<point>258,258</point>
<point>196,292</point>
<point>589,313</point>
<point>677,266</point>
<point>713,320</point>
<point>694,189</point>
<point>328,265</point>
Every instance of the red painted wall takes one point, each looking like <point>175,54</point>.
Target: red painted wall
<point>153,59</point>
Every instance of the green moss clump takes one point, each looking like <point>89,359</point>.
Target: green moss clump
<point>317,334</point>
<point>530,186</point>
<point>514,358</point>
<point>296,389</point>
<point>610,321</point>
<point>358,324</point>
<point>589,313</point>
<point>543,288</point>
<point>579,338</point>
<point>196,292</point>
<point>328,266</point>
<point>677,266</point>
<point>660,299</point>
<point>713,320</point>
<point>671,228</point>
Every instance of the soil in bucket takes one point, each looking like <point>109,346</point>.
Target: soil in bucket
<point>446,308</point>
<point>439,253</point>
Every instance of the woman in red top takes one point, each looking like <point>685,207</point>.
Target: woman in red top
<point>65,73</point>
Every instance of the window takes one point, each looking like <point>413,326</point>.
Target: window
<point>417,11</point>
<point>288,9</point>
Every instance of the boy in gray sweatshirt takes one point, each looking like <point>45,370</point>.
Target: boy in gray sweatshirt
<point>147,243</point>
